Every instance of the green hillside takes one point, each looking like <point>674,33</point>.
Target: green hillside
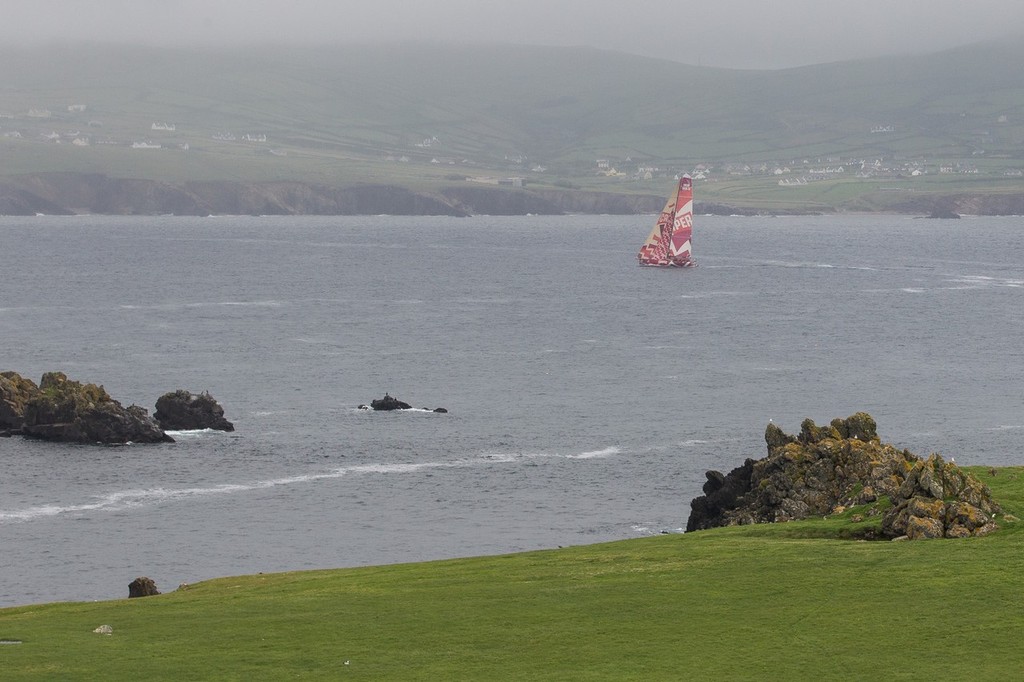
<point>422,115</point>
<point>768,602</point>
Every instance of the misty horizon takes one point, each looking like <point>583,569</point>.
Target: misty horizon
<point>733,33</point>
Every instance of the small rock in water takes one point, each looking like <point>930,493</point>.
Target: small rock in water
<point>182,410</point>
<point>388,403</point>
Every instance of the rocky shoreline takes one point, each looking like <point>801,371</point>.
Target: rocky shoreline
<point>62,410</point>
<point>68,193</point>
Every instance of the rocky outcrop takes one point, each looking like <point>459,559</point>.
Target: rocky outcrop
<point>69,411</point>
<point>15,392</point>
<point>826,469</point>
<point>181,411</point>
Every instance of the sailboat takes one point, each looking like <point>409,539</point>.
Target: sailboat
<point>668,245</point>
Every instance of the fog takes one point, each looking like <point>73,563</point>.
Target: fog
<point>730,33</point>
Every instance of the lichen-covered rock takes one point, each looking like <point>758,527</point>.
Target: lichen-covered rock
<point>70,411</point>
<point>860,426</point>
<point>181,410</point>
<point>923,528</point>
<point>827,469</point>
<point>15,392</point>
<point>775,438</point>
<point>939,494</point>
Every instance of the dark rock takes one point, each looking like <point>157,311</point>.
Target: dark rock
<point>181,410</point>
<point>142,587</point>
<point>827,469</point>
<point>68,411</point>
<point>944,214</point>
<point>440,410</point>
<point>722,494</point>
<point>389,403</point>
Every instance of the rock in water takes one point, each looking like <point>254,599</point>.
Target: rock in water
<point>828,468</point>
<point>389,403</point>
<point>69,411</point>
<point>142,587</point>
<point>181,411</point>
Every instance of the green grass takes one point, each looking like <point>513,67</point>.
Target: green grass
<point>787,601</point>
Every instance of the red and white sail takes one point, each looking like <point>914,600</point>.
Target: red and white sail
<point>669,245</point>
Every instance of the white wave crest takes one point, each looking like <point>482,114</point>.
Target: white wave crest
<point>192,433</point>
<point>606,452</point>
<point>138,497</point>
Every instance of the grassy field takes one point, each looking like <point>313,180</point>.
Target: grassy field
<point>787,601</point>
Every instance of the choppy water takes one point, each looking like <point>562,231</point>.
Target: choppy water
<point>587,396</point>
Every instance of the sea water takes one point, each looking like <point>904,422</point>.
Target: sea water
<point>586,396</point>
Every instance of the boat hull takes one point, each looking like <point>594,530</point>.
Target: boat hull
<point>670,264</point>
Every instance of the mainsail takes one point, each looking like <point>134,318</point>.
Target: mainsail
<point>668,245</point>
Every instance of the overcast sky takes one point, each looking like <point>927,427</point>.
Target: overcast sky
<point>733,33</point>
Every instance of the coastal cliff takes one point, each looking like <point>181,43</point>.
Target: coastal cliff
<point>68,193</point>
<point>94,193</point>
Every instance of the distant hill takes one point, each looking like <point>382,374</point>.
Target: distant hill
<point>426,117</point>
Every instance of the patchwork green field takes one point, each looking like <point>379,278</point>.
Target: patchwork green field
<point>780,601</point>
<point>423,116</point>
